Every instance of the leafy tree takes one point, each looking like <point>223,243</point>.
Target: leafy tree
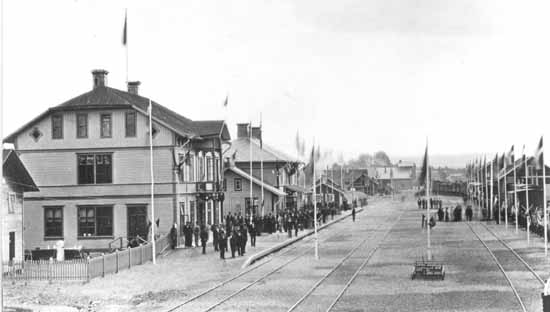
<point>381,158</point>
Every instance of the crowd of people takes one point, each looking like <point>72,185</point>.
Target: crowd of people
<point>443,213</point>
<point>234,233</point>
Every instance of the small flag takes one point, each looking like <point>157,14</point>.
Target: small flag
<point>125,31</point>
<point>422,178</point>
<point>509,160</point>
<point>539,157</point>
<point>226,101</point>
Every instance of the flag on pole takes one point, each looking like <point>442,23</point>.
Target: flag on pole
<point>509,158</point>
<point>422,178</point>
<point>226,101</point>
<point>539,156</point>
<point>125,30</point>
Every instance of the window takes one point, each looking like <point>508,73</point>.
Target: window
<point>12,200</point>
<point>95,168</point>
<point>237,185</point>
<point>217,169</point>
<point>130,124</point>
<point>181,167</point>
<point>224,185</point>
<point>201,169</point>
<point>53,222</point>
<point>95,221</point>
<point>192,212</point>
<point>248,208</point>
<point>209,212</point>
<point>191,168</point>
<point>106,126</point>
<point>57,127</point>
<point>209,169</point>
<point>81,126</point>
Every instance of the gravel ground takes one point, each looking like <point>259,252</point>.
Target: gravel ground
<point>473,282</point>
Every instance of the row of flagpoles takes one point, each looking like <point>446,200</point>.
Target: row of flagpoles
<point>481,176</point>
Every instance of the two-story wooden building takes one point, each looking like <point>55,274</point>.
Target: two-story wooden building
<point>90,158</point>
<point>280,171</point>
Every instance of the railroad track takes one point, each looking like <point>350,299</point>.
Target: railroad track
<point>317,285</point>
<point>222,294</point>
<point>505,264</point>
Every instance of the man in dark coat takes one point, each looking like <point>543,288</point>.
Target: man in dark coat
<point>469,213</point>
<point>440,214</point>
<point>252,230</point>
<point>222,241</point>
<point>188,233</point>
<point>215,235</point>
<point>234,242</point>
<point>353,213</point>
<point>204,238</point>
<point>174,236</point>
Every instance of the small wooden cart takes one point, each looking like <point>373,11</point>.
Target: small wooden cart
<point>428,269</point>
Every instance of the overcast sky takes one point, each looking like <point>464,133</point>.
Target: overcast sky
<point>358,75</point>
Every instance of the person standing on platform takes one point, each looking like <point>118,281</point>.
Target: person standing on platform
<point>215,236</point>
<point>174,236</point>
<point>353,214</point>
<point>252,231</point>
<point>196,233</point>
<point>244,239</point>
<point>204,238</point>
<point>222,242</point>
<point>234,241</point>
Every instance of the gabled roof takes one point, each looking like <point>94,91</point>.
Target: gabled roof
<point>247,177</point>
<point>329,183</point>
<point>103,97</point>
<point>267,153</point>
<point>15,172</point>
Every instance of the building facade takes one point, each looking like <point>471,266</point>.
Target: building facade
<point>90,158</point>
<point>270,166</point>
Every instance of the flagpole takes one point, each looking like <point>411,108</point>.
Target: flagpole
<point>150,111</point>
<point>491,191</point>
<point>428,200</point>
<point>516,208</point>
<point>544,199</point>
<point>262,163</point>
<point>505,194</point>
<point>2,21</point>
<point>126,40</point>
<point>498,190</point>
<point>527,195</point>
<point>251,201</point>
<point>315,203</point>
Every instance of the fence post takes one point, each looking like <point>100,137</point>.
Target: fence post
<point>103,265</point>
<point>116,256</point>
<point>88,277</point>
<point>129,257</point>
<point>50,267</point>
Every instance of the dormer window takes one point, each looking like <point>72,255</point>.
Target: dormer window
<point>57,127</point>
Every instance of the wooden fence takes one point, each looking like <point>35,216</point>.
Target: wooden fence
<point>83,269</point>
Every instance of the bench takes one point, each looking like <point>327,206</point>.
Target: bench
<point>428,269</point>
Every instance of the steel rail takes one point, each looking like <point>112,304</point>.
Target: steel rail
<point>211,289</point>
<point>257,280</point>
<point>328,274</point>
<point>367,259</point>
<point>500,267</point>
<point>537,276</point>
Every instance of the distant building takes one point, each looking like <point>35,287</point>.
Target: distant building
<point>280,175</point>
<point>90,158</point>
<point>399,177</point>
<point>16,181</point>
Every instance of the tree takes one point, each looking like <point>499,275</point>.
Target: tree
<point>382,159</point>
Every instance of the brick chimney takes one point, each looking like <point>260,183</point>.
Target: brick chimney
<point>133,87</point>
<point>100,77</point>
<point>257,133</point>
<point>242,130</point>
